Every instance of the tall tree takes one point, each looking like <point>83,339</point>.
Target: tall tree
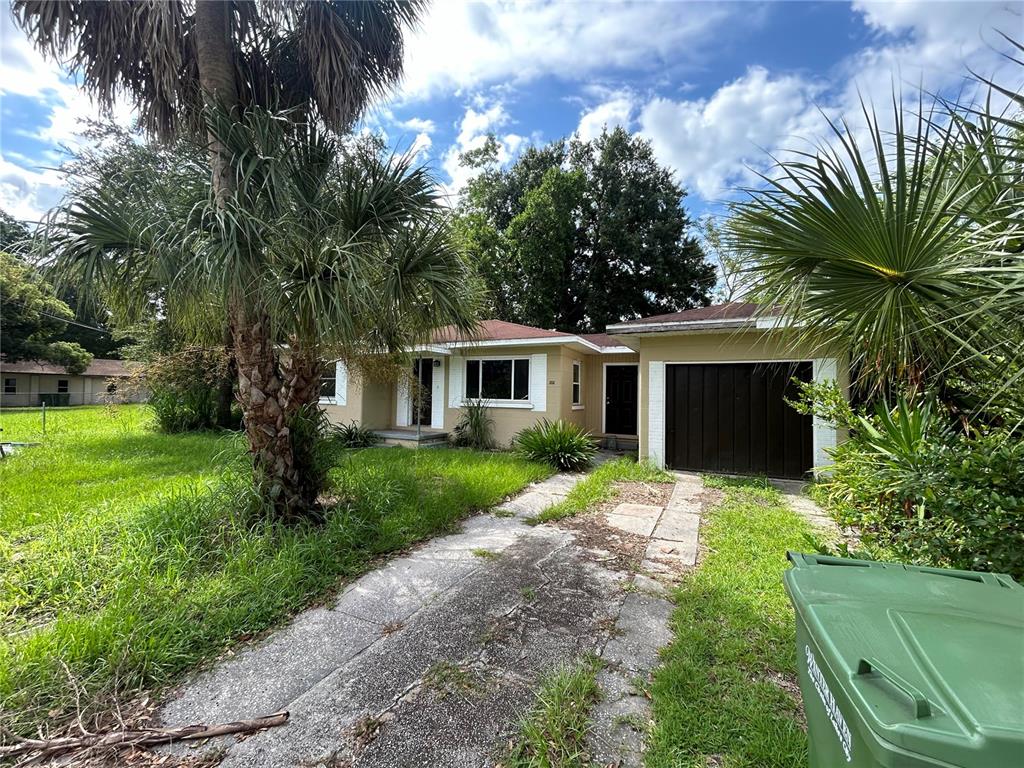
<point>33,319</point>
<point>194,69</point>
<point>581,234</point>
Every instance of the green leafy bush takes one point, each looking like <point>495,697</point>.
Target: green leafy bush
<point>182,388</point>
<point>476,427</point>
<point>561,444</point>
<point>352,435</point>
<point>926,492</point>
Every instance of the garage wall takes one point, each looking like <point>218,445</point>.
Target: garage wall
<point>746,346</point>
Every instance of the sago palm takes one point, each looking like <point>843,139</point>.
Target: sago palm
<point>324,61</point>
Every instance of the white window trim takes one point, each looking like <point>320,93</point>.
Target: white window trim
<point>604,396</point>
<point>577,365</point>
<point>495,402</point>
<point>13,391</point>
<point>340,386</point>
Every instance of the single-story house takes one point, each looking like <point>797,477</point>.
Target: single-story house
<point>702,389</point>
<point>31,382</point>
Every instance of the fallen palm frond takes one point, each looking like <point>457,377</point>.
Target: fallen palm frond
<point>37,751</point>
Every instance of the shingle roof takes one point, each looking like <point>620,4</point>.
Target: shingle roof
<point>601,339</point>
<point>102,367</point>
<point>497,330</point>
<point>730,311</point>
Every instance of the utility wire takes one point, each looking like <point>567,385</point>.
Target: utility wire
<point>63,319</point>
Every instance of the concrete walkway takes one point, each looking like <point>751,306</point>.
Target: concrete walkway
<point>433,659</point>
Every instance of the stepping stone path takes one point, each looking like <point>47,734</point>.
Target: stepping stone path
<point>433,659</point>
<point>620,718</point>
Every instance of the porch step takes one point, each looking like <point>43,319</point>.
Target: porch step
<point>409,439</point>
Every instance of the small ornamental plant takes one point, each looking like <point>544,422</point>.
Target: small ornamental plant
<point>562,444</point>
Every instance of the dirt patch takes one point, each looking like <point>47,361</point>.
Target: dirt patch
<point>654,494</point>
<point>611,547</point>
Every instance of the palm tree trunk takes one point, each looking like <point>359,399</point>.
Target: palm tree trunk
<point>226,385</point>
<point>259,386</point>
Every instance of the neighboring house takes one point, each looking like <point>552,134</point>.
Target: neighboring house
<point>702,389</point>
<point>31,382</point>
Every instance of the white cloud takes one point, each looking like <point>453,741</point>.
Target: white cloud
<point>418,124</point>
<point>713,142</point>
<point>474,128</point>
<point>616,111</point>
<point>710,141</point>
<point>421,145</point>
<point>26,193</point>
<point>464,45</point>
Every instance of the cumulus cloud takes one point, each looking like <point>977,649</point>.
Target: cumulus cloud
<point>616,111</point>
<point>462,46</point>
<point>711,141</point>
<point>474,128</point>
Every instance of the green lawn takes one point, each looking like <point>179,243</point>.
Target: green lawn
<point>716,698</point>
<point>127,556</point>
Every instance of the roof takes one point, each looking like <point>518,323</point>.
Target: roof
<point>601,339</point>
<point>736,313</point>
<point>497,330</point>
<point>102,367</point>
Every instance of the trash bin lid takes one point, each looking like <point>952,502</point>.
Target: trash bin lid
<point>931,659</point>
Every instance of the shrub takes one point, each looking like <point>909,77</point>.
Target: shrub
<point>476,427</point>
<point>561,444</point>
<point>352,435</point>
<point>924,492</point>
<point>182,387</point>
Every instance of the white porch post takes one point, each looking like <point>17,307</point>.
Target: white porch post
<point>656,412</point>
<point>823,433</point>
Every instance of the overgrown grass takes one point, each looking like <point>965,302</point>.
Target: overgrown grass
<point>128,557</point>
<point>716,696</point>
<point>553,734</point>
<point>597,487</point>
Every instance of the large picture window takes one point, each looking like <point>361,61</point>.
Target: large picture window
<point>498,379</point>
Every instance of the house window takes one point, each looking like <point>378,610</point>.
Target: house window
<point>329,383</point>
<point>10,386</point>
<point>577,383</point>
<point>62,386</point>
<point>498,379</point>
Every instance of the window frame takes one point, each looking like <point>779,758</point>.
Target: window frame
<point>498,402</point>
<point>321,397</point>
<point>66,384</point>
<point>14,385</point>
<point>576,385</point>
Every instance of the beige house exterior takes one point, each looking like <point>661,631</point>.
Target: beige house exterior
<point>732,364</point>
<point>27,383</point>
<point>550,360</point>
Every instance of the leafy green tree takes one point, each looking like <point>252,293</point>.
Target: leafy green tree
<point>32,317</point>
<point>12,232</point>
<point>581,234</point>
<point>196,69</point>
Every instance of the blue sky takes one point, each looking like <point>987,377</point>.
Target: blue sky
<point>712,85</point>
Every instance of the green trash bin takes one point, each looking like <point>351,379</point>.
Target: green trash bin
<point>904,666</point>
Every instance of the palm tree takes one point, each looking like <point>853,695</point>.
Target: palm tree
<point>342,254</point>
<point>895,250</point>
<point>193,69</point>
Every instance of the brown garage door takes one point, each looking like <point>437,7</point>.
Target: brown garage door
<point>734,419</point>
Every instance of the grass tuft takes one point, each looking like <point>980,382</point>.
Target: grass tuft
<point>714,697</point>
<point>597,487</point>
<point>554,733</point>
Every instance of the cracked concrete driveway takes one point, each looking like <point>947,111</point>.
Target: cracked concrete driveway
<point>433,659</point>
